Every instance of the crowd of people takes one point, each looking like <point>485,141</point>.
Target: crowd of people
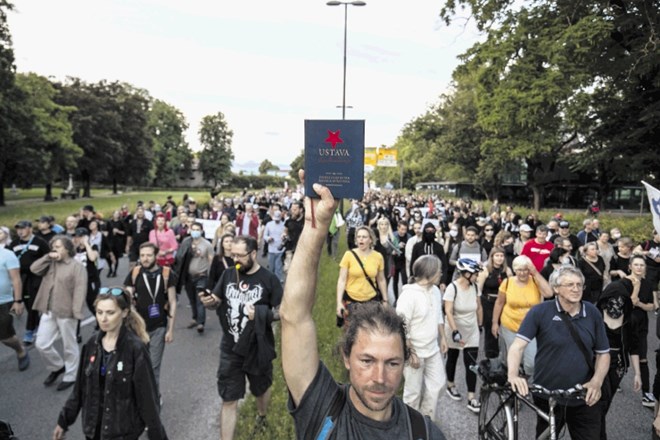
<point>457,278</point>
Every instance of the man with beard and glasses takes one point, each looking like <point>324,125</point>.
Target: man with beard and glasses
<point>247,300</point>
<point>153,289</point>
<point>374,352</point>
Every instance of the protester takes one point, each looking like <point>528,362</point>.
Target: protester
<point>153,289</point>
<point>247,300</point>
<point>165,240</point>
<point>60,300</point>
<point>368,407</point>
<point>117,393</point>
<point>420,304</point>
<point>29,248</point>
<point>560,362</point>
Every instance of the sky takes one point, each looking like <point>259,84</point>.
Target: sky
<point>266,65</point>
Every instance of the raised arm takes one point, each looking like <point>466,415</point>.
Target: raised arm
<point>300,357</point>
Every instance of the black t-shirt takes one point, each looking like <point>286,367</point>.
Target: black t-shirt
<point>29,251</point>
<point>93,279</point>
<point>144,300</point>
<point>142,235</point>
<point>236,290</point>
<point>294,228</point>
<point>620,263</point>
<point>493,281</point>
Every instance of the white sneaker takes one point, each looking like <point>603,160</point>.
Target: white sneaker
<point>453,393</point>
<point>648,400</point>
<point>474,406</point>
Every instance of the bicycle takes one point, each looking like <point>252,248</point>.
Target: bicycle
<point>500,405</point>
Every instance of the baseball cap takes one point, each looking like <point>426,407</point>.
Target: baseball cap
<point>564,224</point>
<point>81,231</point>
<point>526,228</point>
<point>45,219</point>
<point>23,224</point>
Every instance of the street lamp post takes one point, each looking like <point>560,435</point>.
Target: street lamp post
<point>338,3</point>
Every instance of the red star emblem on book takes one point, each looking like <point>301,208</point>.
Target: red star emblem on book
<point>334,139</point>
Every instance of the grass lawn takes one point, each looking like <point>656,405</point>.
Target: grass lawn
<point>103,201</point>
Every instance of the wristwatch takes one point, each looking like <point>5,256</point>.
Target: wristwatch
<point>18,301</point>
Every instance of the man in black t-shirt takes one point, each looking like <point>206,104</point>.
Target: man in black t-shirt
<point>154,291</point>
<point>29,248</point>
<point>374,353</point>
<point>247,299</point>
<point>138,233</point>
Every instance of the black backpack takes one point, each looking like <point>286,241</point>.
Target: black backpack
<point>418,428</point>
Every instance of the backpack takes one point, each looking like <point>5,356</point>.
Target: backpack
<point>417,423</point>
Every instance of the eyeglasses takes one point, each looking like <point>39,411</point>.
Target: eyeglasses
<point>114,291</point>
<point>573,286</point>
<point>237,256</point>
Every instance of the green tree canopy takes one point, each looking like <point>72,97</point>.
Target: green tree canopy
<point>266,166</point>
<point>172,154</point>
<point>216,156</point>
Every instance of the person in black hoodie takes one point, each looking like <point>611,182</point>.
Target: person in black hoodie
<point>616,305</point>
<point>428,246</point>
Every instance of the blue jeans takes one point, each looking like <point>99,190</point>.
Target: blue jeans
<point>275,264</point>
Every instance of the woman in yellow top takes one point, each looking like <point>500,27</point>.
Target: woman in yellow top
<point>515,297</point>
<point>352,285</point>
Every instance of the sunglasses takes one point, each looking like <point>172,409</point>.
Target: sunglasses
<point>114,291</point>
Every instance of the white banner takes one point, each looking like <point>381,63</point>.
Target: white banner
<point>209,227</point>
<point>654,203</point>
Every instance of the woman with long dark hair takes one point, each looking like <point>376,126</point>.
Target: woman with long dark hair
<point>115,387</point>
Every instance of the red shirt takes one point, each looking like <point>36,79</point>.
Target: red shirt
<point>537,252</point>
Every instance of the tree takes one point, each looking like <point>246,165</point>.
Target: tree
<point>50,135</point>
<point>172,154</point>
<point>297,164</point>
<point>216,156</point>
<point>266,166</point>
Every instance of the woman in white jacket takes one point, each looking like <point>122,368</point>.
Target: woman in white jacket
<point>420,303</point>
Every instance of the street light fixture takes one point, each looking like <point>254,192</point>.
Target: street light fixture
<point>339,3</point>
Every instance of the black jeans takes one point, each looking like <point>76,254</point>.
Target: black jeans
<point>583,421</point>
<point>469,358</point>
<point>491,345</point>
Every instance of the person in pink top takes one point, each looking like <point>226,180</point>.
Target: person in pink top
<point>538,250</point>
<point>164,238</point>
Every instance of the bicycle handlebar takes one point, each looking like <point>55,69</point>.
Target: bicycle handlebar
<point>577,391</point>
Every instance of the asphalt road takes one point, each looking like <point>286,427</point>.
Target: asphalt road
<point>191,403</point>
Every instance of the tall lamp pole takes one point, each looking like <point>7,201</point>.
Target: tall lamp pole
<point>338,3</point>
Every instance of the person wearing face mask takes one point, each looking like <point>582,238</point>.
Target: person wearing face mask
<point>192,264</point>
<point>469,248</point>
<point>488,238</point>
<point>428,246</point>
<point>615,234</point>
<point>410,244</point>
<point>454,237</point>
<point>247,300</point>
<point>616,306</point>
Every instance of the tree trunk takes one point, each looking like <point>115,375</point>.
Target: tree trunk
<point>114,185</point>
<point>49,193</point>
<point>2,190</point>
<point>537,190</point>
<point>86,184</point>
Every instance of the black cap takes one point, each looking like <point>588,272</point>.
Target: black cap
<point>81,231</point>
<point>45,219</point>
<point>88,208</point>
<point>23,224</point>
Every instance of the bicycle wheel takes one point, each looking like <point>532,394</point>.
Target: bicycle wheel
<point>495,417</point>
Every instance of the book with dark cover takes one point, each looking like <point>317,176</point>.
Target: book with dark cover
<point>334,157</point>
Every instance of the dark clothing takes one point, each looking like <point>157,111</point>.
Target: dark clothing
<point>434,248</point>
<point>93,279</point>
<point>294,229</point>
<point>583,421</point>
<point>117,242</point>
<point>121,403</point>
<point>28,252</point>
<point>139,234</point>
<point>488,297</point>
<point>154,310</point>
<point>218,266</point>
<point>620,263</point>
<point>310,415</point>
<point>593,278</point>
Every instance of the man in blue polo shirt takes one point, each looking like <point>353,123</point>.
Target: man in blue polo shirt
<point>560,364</point>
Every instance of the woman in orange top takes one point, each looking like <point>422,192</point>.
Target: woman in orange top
<point>515,297</point>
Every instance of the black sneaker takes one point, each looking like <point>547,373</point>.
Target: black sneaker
<point>52,377</point>
<point>474,406</point>
<point>64,385</point>
<point>453,393</point>
<point>648,400</point>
